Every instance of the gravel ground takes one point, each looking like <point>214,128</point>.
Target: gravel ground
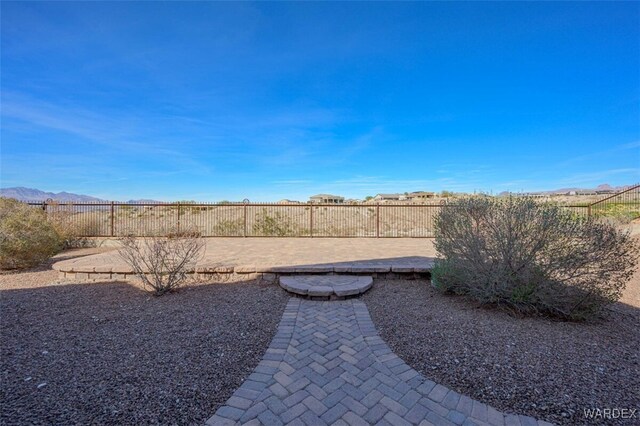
<point>548,369</point>
<point>108,353</point>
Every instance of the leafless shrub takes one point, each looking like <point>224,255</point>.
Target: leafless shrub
<point>162,260</point>
<point>26,237</point>
<point>531,257</point>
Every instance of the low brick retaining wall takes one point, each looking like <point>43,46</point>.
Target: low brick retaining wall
<point>247,273</point>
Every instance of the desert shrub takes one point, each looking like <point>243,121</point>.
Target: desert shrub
<point>126,208</point>
<point>622,213</point>
<point>229,228</point>
<point>162,260</point>
<point>74,228</point>
<point>531,257</point>
<point>26,237</point>
<point>276,225</point>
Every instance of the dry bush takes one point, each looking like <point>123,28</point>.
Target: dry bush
<point>228,228</point>
<point>276,225</point>
<point>26,237</point>
<point>162,260</point>
<point>74,229</point>
<point>531,257</point>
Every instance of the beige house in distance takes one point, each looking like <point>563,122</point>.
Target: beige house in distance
<point>389,197</point>
<point>326,199</point>
<point>420,196</point>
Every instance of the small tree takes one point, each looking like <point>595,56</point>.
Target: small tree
<point>531,257</point>
<point>162,261</point>
<point>27,238</point>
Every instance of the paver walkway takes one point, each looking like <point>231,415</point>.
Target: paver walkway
<point>327,365</point>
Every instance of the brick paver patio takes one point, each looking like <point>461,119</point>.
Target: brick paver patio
<point>321,255</point>
<point>327,365</point>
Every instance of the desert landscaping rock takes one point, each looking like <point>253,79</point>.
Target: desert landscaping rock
<point>327,365</point>
<point>109,353</point>
<point>326,285</point>
<point>536,367</point>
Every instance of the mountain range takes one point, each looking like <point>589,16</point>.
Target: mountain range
<point>600,188</point>
<point>30,194</point>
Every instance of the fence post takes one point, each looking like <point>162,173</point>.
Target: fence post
<point>589,210</point>
<point>311,220</point>
<point>44,206</point>
<point>378,220</point>
<point>112,219</point>
<point>178,216</point>
<point>244,231</point>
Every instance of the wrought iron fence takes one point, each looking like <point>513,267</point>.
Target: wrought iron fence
<point>115,219</point>
<point>625,204</point>
<point>247,220</point>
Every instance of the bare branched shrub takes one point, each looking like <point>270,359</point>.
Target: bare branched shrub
<point>26,237</point>
<point>162,260</point>
<point>531,257</point>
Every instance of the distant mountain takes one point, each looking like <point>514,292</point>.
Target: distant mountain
<point>607,187</point>
<point>600,188</point>
<point>145,201</point>
<point>30,194</point>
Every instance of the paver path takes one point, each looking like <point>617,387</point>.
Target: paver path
<point>327,365</point>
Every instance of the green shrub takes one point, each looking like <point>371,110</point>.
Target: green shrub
<point>27,238</point>
<point>531,257</point>
<point>228,228</point>
<point>277,225</point>
<point>622,213</point>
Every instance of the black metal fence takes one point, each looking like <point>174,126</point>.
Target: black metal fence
<point>247,220</point>
<point>113,219</point>
<point>625,204</point>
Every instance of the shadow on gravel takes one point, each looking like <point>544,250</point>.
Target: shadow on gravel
<point>110,353</point>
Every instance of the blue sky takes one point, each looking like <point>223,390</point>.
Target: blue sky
<point>212,101</point>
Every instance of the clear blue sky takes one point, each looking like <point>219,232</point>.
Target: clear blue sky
<point>212,101</point>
